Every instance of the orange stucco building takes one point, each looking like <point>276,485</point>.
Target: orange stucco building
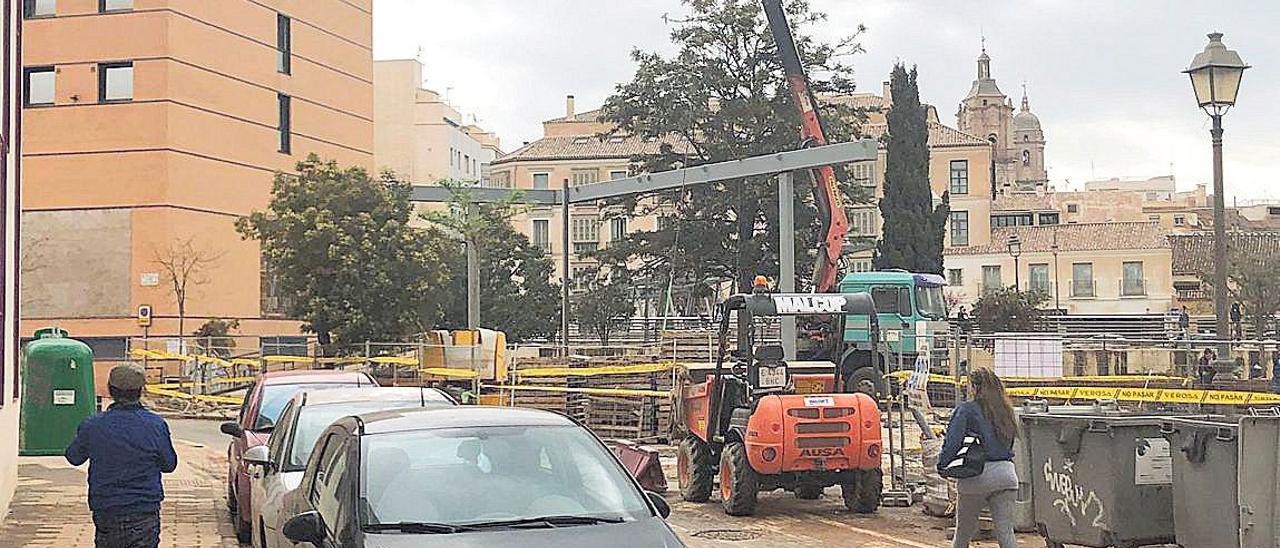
<point>150,123</point>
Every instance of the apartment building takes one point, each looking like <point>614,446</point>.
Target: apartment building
<point>419,135</point>
<point>149,124</point>
<point>575,149</point>
<point>10,148</point>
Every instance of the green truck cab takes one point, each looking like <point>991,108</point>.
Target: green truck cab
<point>912,316</point>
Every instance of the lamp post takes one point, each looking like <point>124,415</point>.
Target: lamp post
<point>1014,244</point>
<point>1057,305</point>
<point>1215,77</point>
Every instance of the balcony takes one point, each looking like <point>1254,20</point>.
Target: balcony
<point>1044,286</point>
<point>1133,287</point>
<point>1083,289</point>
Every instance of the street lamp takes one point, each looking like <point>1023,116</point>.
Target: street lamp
<point>1215,77</point>
<point>1057,305</point>
<point>1014,244</point>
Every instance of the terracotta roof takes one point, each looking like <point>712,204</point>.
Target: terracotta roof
<point>588,116</point>
<point>1193,251</point>
<point>1024,201</point>
<point>939,135</point>
<point>586,147</point>
<point>1073,237</point>
<point>858,100</point>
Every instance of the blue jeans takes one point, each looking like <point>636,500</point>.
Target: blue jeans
<point>138,530</point>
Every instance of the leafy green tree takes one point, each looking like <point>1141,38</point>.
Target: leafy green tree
<point>516,294</point>
<point>1007,310</point>
<point>605,302</point>
<point>913,227</point>
<point>1252,263</point>
<point>723,96</point>
<point>342,246</point>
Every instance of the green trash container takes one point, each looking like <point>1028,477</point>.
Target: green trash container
<point>1205,482</point>
<point>57,391</point>
<point>1100,481</point>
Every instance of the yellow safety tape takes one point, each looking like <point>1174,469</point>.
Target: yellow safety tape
<point>245,361</point>
<point>901,375</point>
<point>593,371</point>
<point>1161,395</point>
<point>592,391</point>
<point>185,396</point>
<point>450,372</point>
<point>286,359</point>
<point>397,360</point>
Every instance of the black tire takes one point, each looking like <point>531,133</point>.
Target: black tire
<point>1051,544</point>
<point>866,380</point>
<point>738,483</point>
<point>244,531</point>
<point>695,469</point>
<point>863,495</point>
<point>262,532</point>
<point>808,491</point>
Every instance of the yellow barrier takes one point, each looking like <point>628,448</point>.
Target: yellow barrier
<point>1160,395</point>
<point>593,371</point>
<point>592,391</point>
<point>397,360</point>
<point>450,372</point>
<point>903,375</point>
<point>155,389</point>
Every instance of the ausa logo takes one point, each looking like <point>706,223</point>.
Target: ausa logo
<point>809,304</point>
<point>822,452</point>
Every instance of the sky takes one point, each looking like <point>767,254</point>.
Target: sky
<point>1104,76</point>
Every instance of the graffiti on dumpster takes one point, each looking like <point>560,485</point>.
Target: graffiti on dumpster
<point>1073,499</point>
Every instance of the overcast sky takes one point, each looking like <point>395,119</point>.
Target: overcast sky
<point>1103,75</point>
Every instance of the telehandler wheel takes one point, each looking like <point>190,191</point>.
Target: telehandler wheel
<point>695,469</point>
<point>738,483</point>
<point>863,496</point>
<point>866,380</point>
<point>808,491</point>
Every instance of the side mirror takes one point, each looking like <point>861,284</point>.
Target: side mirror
<point>260,455</point>
<point>660,503</point>
<point>231,428</point>
<point>305,527</point>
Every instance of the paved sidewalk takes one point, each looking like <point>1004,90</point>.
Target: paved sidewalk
<point>50,507</point>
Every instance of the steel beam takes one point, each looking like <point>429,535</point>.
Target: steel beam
<point>485,195</point>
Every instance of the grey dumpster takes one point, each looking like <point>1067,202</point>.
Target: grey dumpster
<point>1259,480</point>
<point>1100,481</point>
<point>1024,513</point>
<point>1205,483</point>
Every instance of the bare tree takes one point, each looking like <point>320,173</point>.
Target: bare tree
<point>184,266</point>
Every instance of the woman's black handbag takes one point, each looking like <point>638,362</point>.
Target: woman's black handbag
<point>968,462</point>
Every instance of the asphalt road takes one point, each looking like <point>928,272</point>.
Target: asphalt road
<point>198,432</point>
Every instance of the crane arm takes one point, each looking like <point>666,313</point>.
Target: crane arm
<point>826,192</point>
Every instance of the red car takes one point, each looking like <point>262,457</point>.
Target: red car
<point>265,400</point>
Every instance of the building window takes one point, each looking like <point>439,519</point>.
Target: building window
<point>585,176</point>
<point>584,232</point>
<point>284,44</point>
<point>1039,277</point>
<point>1026,158</point>
<point>1049,219</point>
<point>1153,218</point>
<point>285,123</point>
<point>863,222</point>
<point>1132,284</point>
<point>466,163</point>
<point>862,265</point>
<point>614,175</point>
<point>115,82</point>
<point>541,181</point>
<point>38,86</point>
<point>39,8</point>
<point>114,5</point>
<point>1179,220</point>
<point>955,277</point>
<point>1073,208</point>
<point>991,279</point>
<point>864,174</point>
<point>617,229</point>
<point>1016,219</point>
<point>959,228</point>
<point>959,176</point>
<point>542,235</point>
<point>1082,280</point>
<point>501,179</point>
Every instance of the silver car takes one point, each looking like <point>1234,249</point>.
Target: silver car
<point>278,466</point>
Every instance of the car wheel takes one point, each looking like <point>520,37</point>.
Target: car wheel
<point>863,495</point>
<point>262,532</point>
<point>738,483</point>
<point>695,469</point>
<point>244,530</point>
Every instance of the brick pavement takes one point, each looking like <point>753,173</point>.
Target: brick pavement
<point>50,507</point>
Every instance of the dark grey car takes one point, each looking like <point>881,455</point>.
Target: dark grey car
<point>471,476</point>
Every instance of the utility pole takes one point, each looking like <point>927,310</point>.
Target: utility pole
<point>1220,289</point>
<point>473,271</point>
<point>564,264</point>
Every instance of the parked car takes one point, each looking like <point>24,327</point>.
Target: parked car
<point>277,467</point>
<point>262,405</point>
<point>471,476</point>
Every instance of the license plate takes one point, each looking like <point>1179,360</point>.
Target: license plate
<point>773,377</point>
<point>819,401</point>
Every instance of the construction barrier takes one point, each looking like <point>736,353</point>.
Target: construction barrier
<point>594,371</point>
<point>168,391</point>
<point>1147,395</point>
<point>592,391</point>
<point>1116,379</point>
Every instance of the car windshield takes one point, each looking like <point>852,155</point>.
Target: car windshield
<point>275,396</point>
<point>930,302</point>
<point>313,419</point>
<point>467,476</point>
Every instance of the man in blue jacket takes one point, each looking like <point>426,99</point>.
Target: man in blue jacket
<point>127,447</point>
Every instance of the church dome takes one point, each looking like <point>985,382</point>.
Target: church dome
<point>1025,120</point>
